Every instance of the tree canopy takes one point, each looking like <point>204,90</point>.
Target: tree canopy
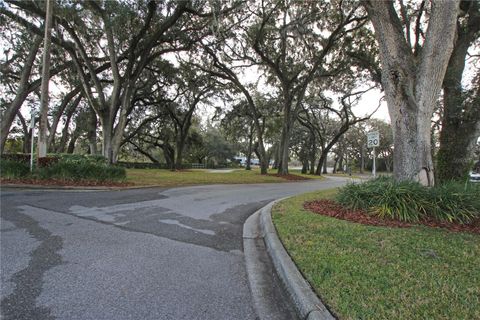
<point>192,80</point>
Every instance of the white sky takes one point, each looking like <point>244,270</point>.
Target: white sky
<point>369,102</point>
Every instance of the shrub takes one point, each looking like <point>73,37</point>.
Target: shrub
<point>455,202</point>
<point>409,201</point>
<point>68,157</point>
<point>13,169</point>
<point>62,166</point>
<point>404,201</point>
<point>143,165</point>
<point>18,157</point>
<point>47,161</point>
<point>82,170</point>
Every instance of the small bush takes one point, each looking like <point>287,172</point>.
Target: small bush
<point>13,169</point>
<point>18,157</point>
<point>83,170</point>
<point>76,158</point>
<point>409,201</point>
<point>455,202</point>
<point>72,167</point>
<point>143,165</point>
<point>47,161</point>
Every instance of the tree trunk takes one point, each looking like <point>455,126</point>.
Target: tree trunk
<point>180,145</point>
<point>125,109</point>
<point>323,158</point>
<point>388,164</point>
<point>9,115</point>
<point>27,134</point>
<point>313,152</point>
<point>304,166</point>
<point>59,112</point>
<point>412,82</point>
<point>262,155</point>
<point>325,171</point>
<point>276,159</point>
<point>107,134</point>
<point>73,140</point>
<point>69,114</point>
<point>285,140</point>
<point>340,164</point>
<point>22,93</point>
<point>92,132</point>
<point>43,126</point>
<point>169,155</point>
<point>117,137</point>
<point>321,162</point>
<point>457,141</point>
<point>335,165</point>
<point>249,151</point>
<point>312,165</point>
<point>461,118</point>
<point>264,161</point>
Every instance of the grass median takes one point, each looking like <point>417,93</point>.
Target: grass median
<point>367,272</point>
<point>168,178</point>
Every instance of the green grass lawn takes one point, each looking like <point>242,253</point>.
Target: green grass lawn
<point>344,175</point>
<point>167,178</point>
<point>299,173</point>
<point>366,272</point>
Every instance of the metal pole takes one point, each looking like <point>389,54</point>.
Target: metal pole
<point>374,169</point>
<point>32,141</point>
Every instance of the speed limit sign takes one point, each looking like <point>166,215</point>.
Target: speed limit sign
<point>373,139</point>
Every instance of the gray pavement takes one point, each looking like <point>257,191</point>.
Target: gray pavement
<point>132,254</point>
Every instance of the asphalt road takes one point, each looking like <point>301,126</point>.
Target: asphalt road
<point>132,254</point>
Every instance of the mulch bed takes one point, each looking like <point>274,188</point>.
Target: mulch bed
<point>289,177</point>
<point>333,209</point>
<point>65,183</point>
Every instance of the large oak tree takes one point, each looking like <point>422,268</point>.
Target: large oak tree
<point>412,76</point>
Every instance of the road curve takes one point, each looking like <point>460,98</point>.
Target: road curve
<point>132,254</point>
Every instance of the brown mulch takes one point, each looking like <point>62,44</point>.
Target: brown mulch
<point>64,183</point>
<point>333,209</point>
<point>289,177</point>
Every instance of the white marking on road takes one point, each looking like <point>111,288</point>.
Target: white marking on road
<point>204,231</point>
<point>98,213</point>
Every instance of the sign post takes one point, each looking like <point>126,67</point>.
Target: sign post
<point>373,140</point>
<point>32,140</point>
<point>374,168</point>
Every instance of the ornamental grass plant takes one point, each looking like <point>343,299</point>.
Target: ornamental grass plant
<point>410,202</point>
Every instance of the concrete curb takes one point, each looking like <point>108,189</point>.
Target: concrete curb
<point>306,302</point>
<point>253,248</point>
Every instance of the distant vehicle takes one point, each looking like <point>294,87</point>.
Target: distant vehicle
<point>243,161</point>
<point>240,160</point>
<point>254,162</point>
<point>474,176</point>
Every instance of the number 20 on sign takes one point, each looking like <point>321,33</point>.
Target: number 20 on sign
<point>373,139</point>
